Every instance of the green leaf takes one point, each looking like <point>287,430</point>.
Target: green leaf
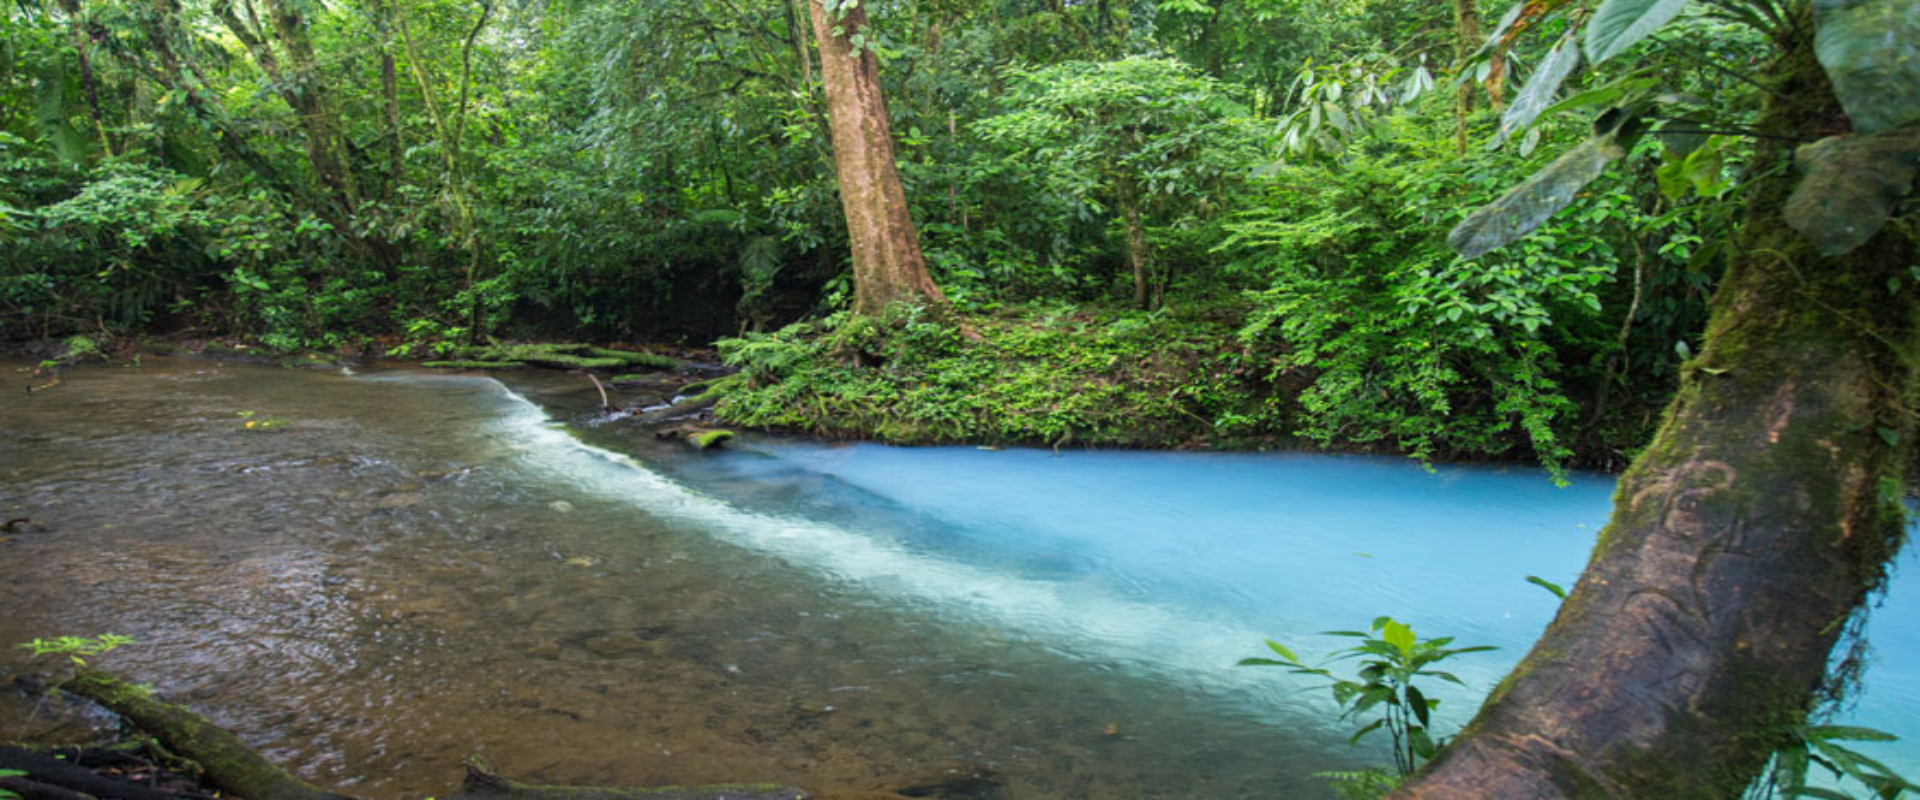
<point>1261,662</point>
<point>1848,733</point>
<point>1548,585</point>
<point>1541,87</point>
<point>1421,743</point>
<point>1892,438</point>
<point>1852,183</point>
<point>1618,24</point>
<point>1871,51</point>
<point>1283,651</point>
<point>1371,727</point>
<point>1398,635</point>
<point>1525,207</point>
<point>1602,96</point>
<point>1421,710</point>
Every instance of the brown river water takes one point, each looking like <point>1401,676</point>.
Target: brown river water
<point>384,576</point>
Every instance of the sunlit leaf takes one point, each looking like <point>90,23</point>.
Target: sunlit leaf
<point>1618,24</point>
<point>1871,51</point>
<point>1852,184</point>
<point>1523,208</point>
<point>1398,635</point>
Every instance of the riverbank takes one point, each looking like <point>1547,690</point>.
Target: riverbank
<point>1195,378</point>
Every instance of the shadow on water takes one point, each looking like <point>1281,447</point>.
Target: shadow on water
<point>405,569</point>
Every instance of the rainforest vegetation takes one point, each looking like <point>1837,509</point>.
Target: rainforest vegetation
<point>1672,234</point>
<point>1169,223</point>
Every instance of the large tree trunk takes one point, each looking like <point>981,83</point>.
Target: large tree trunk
<point>1742,539</point>
<point>887,264</point>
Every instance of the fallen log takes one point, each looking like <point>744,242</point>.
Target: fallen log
<point>240,772</point>
<point>229,764</point>
<point>484,784</point>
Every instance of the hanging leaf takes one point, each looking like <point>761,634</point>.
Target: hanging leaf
<point>1851,185</point>
<point>1602,96</point>
<point>1523,208</point>
<point>1618,24</point>
<point>1871,51</point>
<point>1542,88</point>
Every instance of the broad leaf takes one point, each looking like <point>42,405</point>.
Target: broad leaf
<point>1871,51</point>
<point>1618,24</point>
<point>1398,635</point>
<point>1418,704</point>
<point>1542,87</point>
<point>1852,184</point>
<point>1523,208</point>
<point>1602,96</point>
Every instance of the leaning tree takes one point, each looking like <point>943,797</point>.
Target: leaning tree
<point>1750,531</point>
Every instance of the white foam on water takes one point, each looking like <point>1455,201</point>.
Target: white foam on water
<point>1078,617</point>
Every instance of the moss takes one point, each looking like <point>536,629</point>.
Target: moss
<point>708,440</point>
<point>229,764</point>
<point>633,359</point>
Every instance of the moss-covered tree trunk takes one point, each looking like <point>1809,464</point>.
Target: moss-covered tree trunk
<point>1466,39</point>
<point>1742,539</point>
<point>887,264</point>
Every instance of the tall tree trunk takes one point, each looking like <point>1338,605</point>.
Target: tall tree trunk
<point>1466,39</point>
<point>887,264</point>
<point>1758,520</point>
<point>314,105</point>
<point>1138,256</point>
<point>390,93</point>
<point>89,84</point>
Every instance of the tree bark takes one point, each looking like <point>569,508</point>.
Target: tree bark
<point>1742,539</point>
<point>1466,39</point>
<point>887,264</point>
<point>1138,256</point>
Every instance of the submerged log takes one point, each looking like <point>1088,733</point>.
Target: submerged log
<point>238,771</point>
<point>553,355</point>
<point>483,784</point>
<point>45,769</point>
<point>230,765</point>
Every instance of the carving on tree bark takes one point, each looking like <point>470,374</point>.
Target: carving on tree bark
<point>1742,539</point>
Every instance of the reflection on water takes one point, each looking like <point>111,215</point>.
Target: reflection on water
<point>412,569</point>
<point>409,569</point>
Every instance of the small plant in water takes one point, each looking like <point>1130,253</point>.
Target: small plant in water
<point>77,648</point>
<point>1391,658</point>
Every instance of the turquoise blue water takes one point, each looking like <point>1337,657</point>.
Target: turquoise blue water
<point>1176,564</point>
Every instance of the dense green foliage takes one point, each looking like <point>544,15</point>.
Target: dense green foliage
<point>1276,175</point>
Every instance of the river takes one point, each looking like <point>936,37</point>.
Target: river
<point>371,577</point>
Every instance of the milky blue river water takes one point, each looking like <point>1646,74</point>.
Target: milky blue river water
<point>1178,563</point>
<point>373,577</point>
